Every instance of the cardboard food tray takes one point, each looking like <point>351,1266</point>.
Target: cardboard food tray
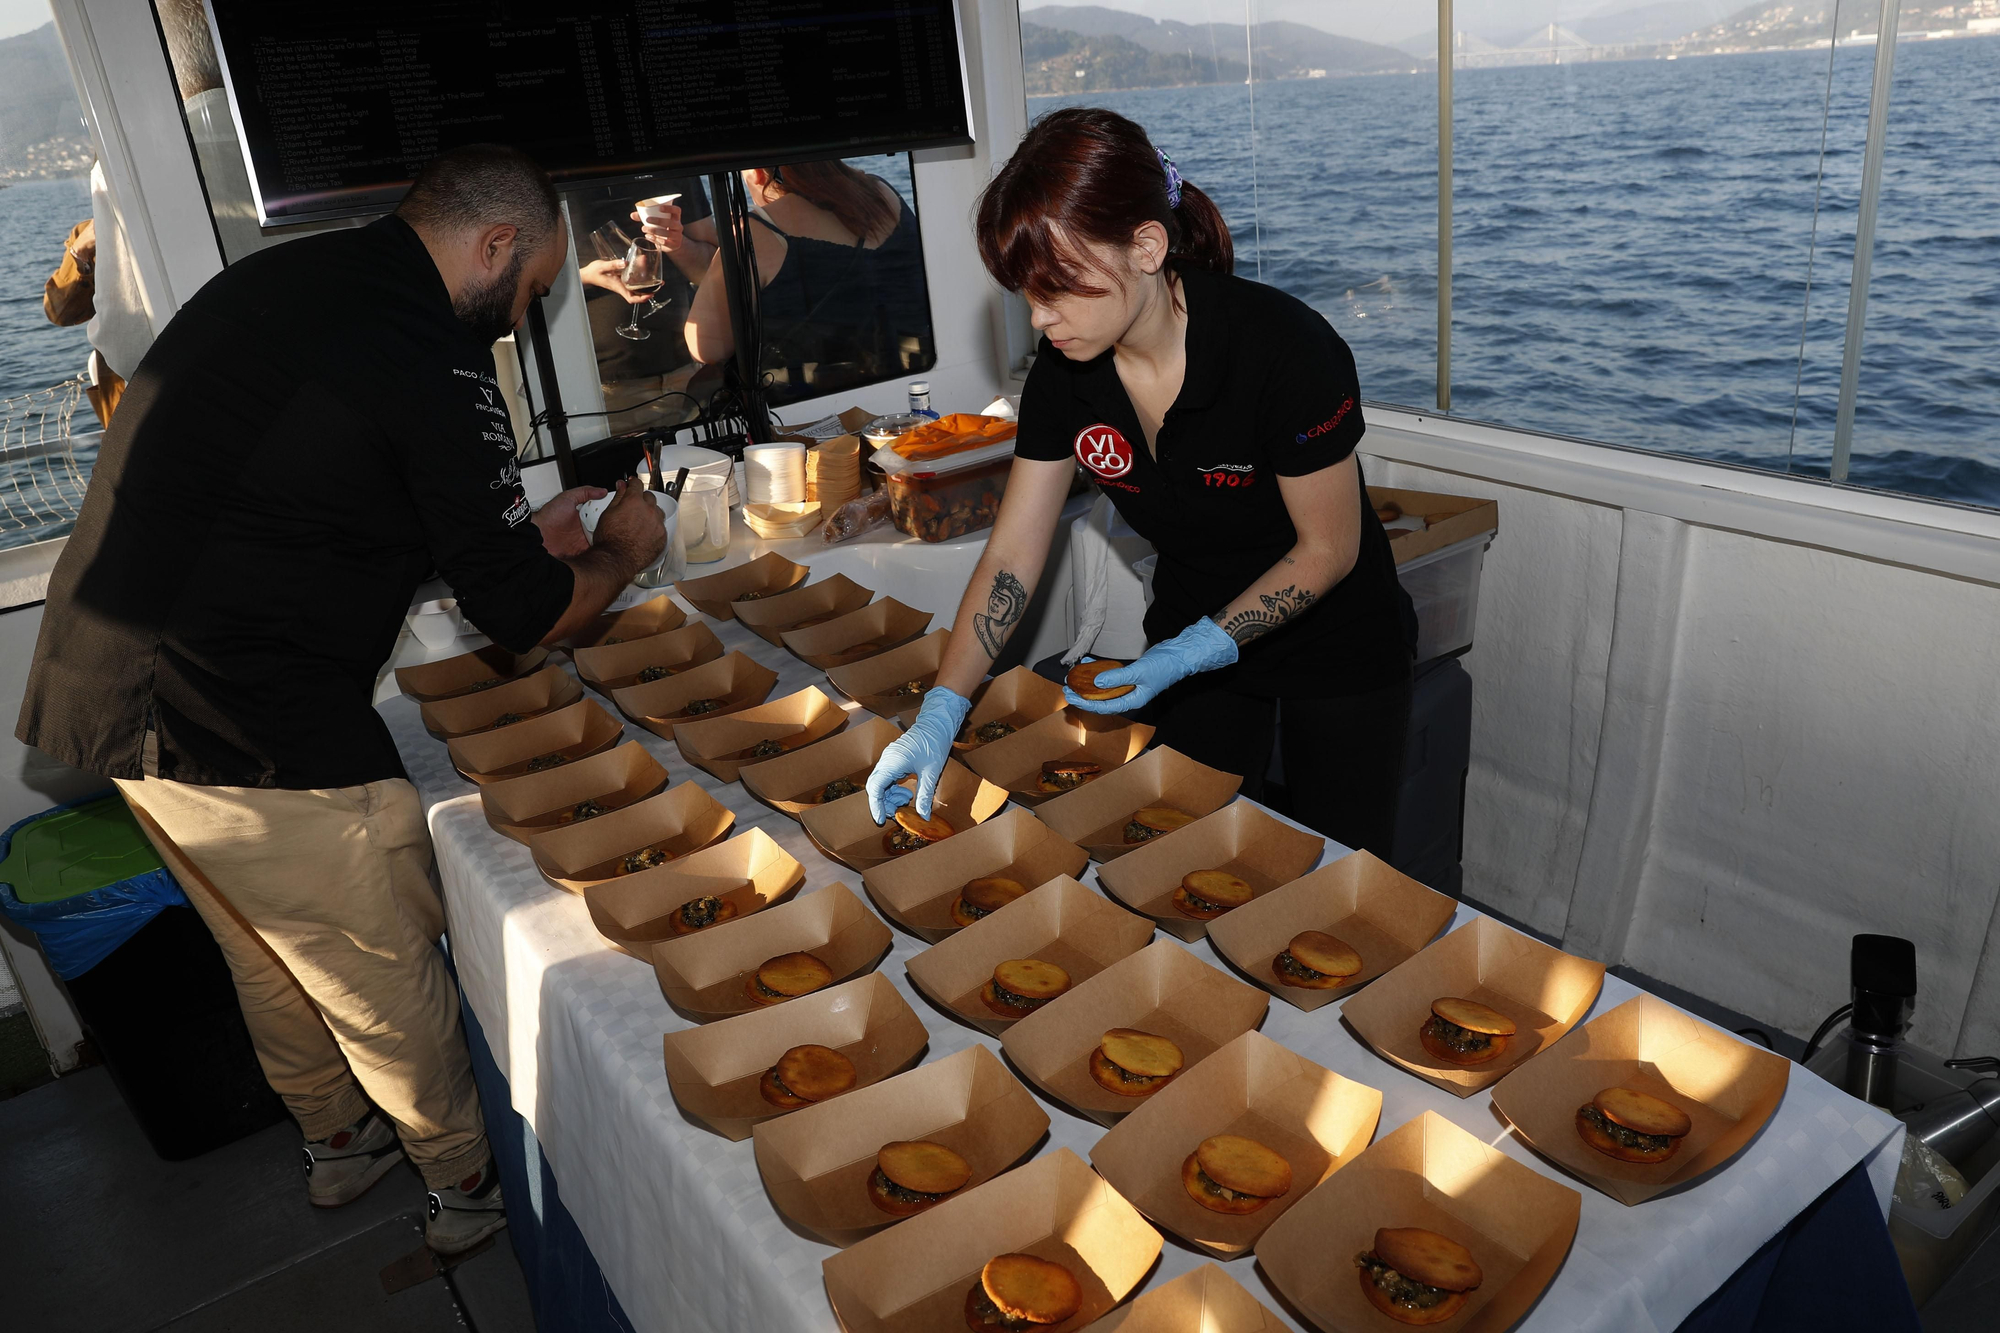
<point>1162,989</point>
<point>1384,914</point>
<point>575,732</point>
<point>1240,838</point>
<point>816,1163</point>
<point>1202,1300</point>
<point>829,599</point>
<point>531,695</point>
<point>914,1279</point>
<point>1544,990</point>
<point>703,975</point>
<point>1019,696</point>
<point>610,669</point>
<point>1015,762</point>
<point>917,891</point>
<point>678,822</point>
<point>869,682</point>
<point>750,870</point>
<point>1451,518</point>
<point>1729,1089</point>
<point>656,615</point>
<point>716,745</point>
<point>736,680</point>
<point>449,677</point>
<point>1060,922</point>
<point>1312,1117</point>
<point>1094,816</point>
<point>715,594</point>
<point>848,833</point>
<point>713,1070</point>
<point>519,808</point>
<point>1429,1173</point>
<point>858,635</point>
<point>792,783</point>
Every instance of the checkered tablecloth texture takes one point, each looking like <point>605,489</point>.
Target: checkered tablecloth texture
<point>678,1218</point>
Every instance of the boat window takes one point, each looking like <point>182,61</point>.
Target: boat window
<point>1927,410</point>
<point>836,314</point>
<point>1653,211</point>
<point>48,433</point>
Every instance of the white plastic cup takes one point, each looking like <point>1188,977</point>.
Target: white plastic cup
<point>654,210</point>
<point>704,519</point>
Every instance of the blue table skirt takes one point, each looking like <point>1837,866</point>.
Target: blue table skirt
<point>1832,1268</point>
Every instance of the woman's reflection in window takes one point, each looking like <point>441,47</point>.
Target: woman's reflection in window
<point>841,263</point>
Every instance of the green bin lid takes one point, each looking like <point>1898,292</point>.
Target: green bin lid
<point>68,852</point>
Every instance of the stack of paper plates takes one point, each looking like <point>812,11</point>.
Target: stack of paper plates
<point>774,522</point>
<point>833,472</point>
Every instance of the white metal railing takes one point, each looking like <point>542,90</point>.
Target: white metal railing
<point>43,469</point>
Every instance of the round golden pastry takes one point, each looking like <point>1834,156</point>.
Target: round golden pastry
<point>1441,1269</point>
<point>787,977</point>
<point>909,831</point>
<point>1632,1126</point>
<point>1232,1174</point>
<point>1207,894</point>
<point>983,897</point>
<point>807,1074</point>
<point>1023,1289</point>
<point>1315,960</point>
<point>1132,1063</point>
<point>1061,775</point>
<point>1155,821</point>
<point>913,1175</point>
<point>1083,676</point>
<point>1465,1032</point>
<point>1020,986</point>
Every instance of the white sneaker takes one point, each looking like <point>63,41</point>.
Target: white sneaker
<point>341,1167</point>
<point>466,1213</point>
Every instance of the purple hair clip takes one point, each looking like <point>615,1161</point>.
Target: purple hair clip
<point>1174,181</point>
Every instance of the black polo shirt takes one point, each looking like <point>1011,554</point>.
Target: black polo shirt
<point>1270,391</point>
<point>309,438</point>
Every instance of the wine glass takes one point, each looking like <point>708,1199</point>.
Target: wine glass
<point>643,275</point>
<point>611,242</point>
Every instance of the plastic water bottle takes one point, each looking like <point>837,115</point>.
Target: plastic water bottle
<point>920,400</point>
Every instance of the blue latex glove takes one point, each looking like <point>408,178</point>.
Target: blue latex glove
<point>1202,646</point>
<point>921,749</point>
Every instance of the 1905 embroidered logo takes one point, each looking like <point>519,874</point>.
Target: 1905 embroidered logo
<point>1104,451</point>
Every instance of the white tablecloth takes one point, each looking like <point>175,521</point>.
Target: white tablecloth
<point>677,1216</point>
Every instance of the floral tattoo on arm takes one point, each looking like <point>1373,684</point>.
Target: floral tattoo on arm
<point>1274,610</point>
<point>1004,607</point>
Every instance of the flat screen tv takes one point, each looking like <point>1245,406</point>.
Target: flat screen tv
<point>339,104</point>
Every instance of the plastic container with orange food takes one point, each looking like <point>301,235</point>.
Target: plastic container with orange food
<point>945,479</point>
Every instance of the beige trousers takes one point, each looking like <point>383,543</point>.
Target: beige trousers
<point>323,905</point>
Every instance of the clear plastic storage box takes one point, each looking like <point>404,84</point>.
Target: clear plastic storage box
<point>1444,584</point>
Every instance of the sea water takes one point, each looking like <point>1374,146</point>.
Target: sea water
<point>35,218</point>
<point>1631,246</point>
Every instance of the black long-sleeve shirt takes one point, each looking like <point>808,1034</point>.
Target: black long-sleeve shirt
<point>312,435</point>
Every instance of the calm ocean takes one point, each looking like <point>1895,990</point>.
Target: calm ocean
<point>1631,245</point>
<point>35,216</point>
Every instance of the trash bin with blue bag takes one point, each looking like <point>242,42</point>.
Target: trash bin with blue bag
<point>148,981</point>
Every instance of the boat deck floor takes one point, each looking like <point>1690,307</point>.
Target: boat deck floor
<point>101,1236</point>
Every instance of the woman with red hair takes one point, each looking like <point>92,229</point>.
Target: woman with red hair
<point>1220,416</point>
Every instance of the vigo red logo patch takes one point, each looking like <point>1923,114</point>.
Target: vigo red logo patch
<point>1104,451</point>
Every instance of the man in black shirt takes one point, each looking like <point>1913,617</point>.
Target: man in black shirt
<point>316,431</point>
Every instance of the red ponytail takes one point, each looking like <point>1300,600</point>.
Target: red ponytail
<point>1087,174</point>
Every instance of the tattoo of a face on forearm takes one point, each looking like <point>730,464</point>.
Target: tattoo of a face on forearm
<point>1276,608</point>
<point>1004,606</point>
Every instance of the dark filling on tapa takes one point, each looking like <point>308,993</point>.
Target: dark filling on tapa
<point>586,810</point>
<point>902,1195</point>
<point>903,840</point>
<point>1621,1135</point>
<point>646,860</point>
<point>1401,1290</point>
<point>994,730</point>
<point>1005,996</point>
<point>696,707</point>
<point>1067,781</point>
<point>653,673</point>
<point>1292,967</point>
<point>1219,1191</point>
<point>1199,903</point>
<point>553,759</point>
<point>699,912</point>
<point>1459,1039</point>
<point>766,991</point>
<point>1137,832</point>
<point>989,1313</point>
